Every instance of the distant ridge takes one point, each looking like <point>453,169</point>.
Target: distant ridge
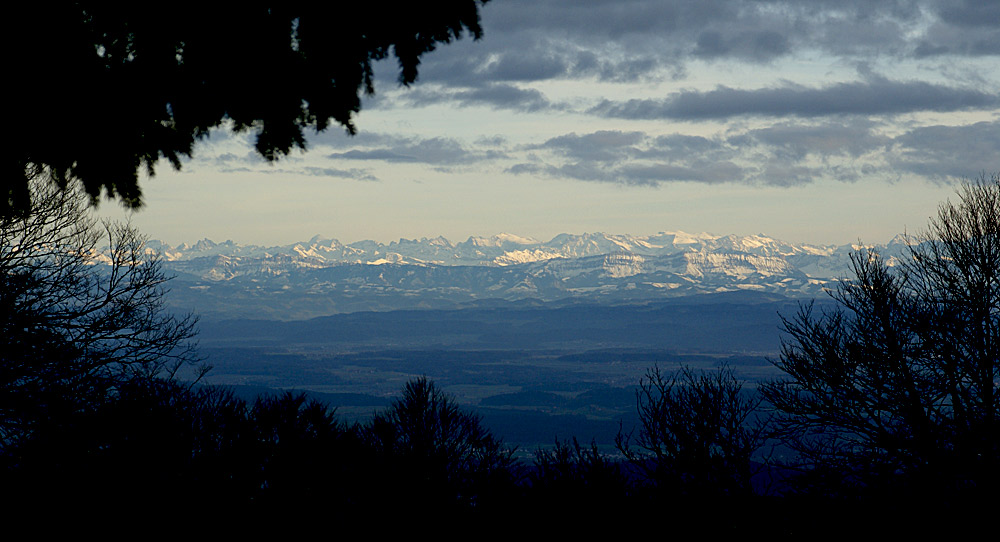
<point>324,276</point>
<point>505,248</point>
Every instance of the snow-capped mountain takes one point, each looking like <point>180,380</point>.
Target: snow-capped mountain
<point>501,249</point>
<point>324,276</point>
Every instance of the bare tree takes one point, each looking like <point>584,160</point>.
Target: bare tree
<point>899,384</point>
<point>441,453</point>
<point>698,433</point>
<point>571,473</point>
<point>82,309</point>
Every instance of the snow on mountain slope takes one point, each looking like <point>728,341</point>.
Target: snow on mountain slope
<point>369,275</point>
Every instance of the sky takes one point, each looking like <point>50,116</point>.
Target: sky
<point>820,121</point>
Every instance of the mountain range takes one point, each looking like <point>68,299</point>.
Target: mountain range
<point>324,276</point>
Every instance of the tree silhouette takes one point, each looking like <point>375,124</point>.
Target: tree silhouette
<point>157,442</point>
<point>77,318</point>
<point>569,477</point>
<point>437,454</point>
<point>898,386</point>
<point>697,435</point>
<point>106,90</point>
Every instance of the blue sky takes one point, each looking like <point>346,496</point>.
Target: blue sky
<point>810,121</point>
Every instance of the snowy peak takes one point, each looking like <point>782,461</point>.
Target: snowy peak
<point>413,273</point>
<point>621,255</point>
<point>500,240</point>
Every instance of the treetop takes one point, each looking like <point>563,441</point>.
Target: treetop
<point>105,91</point>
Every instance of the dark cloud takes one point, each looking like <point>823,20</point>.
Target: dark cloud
<point>871,97</point>
<point>436,151</point>
<point>230,162</point>
<point>500,96</point>
<point>785,154</point>
<point>337,139</point>
<point>708,172</point>
<point>778,173</point>
<point>632,158</point>
<point>531,40</point>
<point>525,169</point>
<point>496,96</point>
<point>945,153</point>
<point>964,28</point>
<point>676,147</point>
<point>512,66</point>
<point>353,174</point>
<point>385,155</point>
<point>227,158</point>
<point>795,141</point>
<point>949,40</point>
<point>758,46</point>
<point>651,174</point>
<point>593,171</point>
<point>495,141</point>
<point>970,13</point>
<point>602,146</point>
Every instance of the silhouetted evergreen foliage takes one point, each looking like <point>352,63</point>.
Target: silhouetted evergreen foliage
<point>105,90</point>
<point>896,392</point>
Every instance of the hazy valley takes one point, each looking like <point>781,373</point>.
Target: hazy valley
<point>542,338</point>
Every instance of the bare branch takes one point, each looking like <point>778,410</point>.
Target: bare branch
<point>79,318</point>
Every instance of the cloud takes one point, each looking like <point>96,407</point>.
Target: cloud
<point>601,146</point>
<point>501,96</point>
<point>945,153</point>
<point>528,40</point>
<point>872,97</point>
<point>777,173</point>
<point>632,158</point>
<point>794,142</point>
<point>438,151</point>
<point>706,172</point>
<point>353,174</point>
<point>963,28</point>
<point>676,147</point>
<point>495,96</point>
<point>759,46</point>
<point>783,154</point>
<point>229,159</point>
<point>511,66</point>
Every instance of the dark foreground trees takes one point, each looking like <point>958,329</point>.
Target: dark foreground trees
<point>81,311</point>
<point>156,444</point>
<point>897,389</point>
<point>160,445</point>
<point>698,434</point>
<point>893,396</point>
<point>436,454</point>
<point>103,90</point>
